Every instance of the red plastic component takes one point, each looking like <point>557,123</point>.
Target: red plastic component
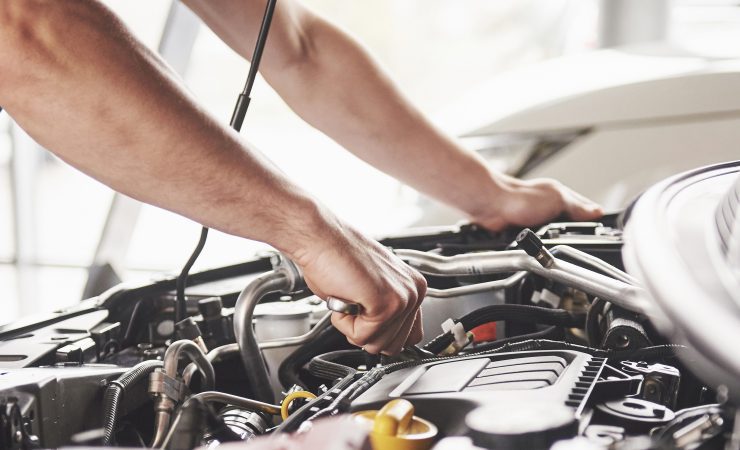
<point>484,333</point>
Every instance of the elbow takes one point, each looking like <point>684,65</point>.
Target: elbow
<point>31,32</point>
<point>21,24</point>
<point>301,51</point>
<point>305,51</point>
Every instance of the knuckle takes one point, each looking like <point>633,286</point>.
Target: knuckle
<point>421,287</point>
<point>373,349</point>
<point>415,338</point>
<point>359,341</point>
<point>392,351</point>
<point>395,304</point>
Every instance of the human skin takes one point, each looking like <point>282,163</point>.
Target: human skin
<point>78,82</point>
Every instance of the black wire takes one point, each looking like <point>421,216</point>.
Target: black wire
<point>237,120</point>
<point>551,333</point>
<point>182,280</point>
<point>508,312</point>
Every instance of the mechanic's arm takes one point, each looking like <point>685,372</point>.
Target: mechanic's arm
<point>78,82</point>
<point>333,84</point>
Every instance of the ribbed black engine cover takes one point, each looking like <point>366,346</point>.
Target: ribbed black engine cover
<point>444,392</point>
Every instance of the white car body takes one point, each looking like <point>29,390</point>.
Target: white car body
<point>625,120</point>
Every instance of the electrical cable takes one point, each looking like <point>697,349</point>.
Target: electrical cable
<point>237,120</point>
<point>115,392</point>
<point>551,333</point>
<point>294,421</point>
<point>507,312</point>
<point>182,280</point>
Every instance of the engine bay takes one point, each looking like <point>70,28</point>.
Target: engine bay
<point>532,340</point>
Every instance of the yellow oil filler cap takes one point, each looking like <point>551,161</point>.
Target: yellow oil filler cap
<point>395,427</point>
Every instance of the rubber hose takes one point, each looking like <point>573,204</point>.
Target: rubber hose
<point>514,313</point>
<point>325,366</point>
<point>115,391</point>
<point>553,333</point>
<point>521,313</point>
<point>188,428</point>
<point>328,340</point>
<point>593,330</point>
<point>252,358</point>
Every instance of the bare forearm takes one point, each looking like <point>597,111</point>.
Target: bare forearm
<point>344,93</point>
<point>77,81</point>
<point>333,84</point>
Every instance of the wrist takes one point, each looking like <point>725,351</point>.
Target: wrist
<point>311,228</point>
<point>494,198</point>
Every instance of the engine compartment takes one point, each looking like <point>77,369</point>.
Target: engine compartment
<point>522,344</point>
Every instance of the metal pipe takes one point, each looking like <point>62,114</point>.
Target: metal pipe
<point>477,288</point>
<point>229,349</point>
<point>161,426</point>
<point>246,403</point>
<point>192,351</point>
<point>278,280</point>
<point>594,263</point>
<point>165,441</point>
<point>163,405</point>
<point>615,291</point>
<point>298,340</point>
<point>213,396</point>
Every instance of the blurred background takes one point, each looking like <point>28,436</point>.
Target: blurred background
<point>57,224</point>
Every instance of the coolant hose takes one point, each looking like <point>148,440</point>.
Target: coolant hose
<point>114,395</point>
<point>274,281</point>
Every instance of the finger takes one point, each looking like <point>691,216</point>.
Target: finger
<point>392,337</point>
<point>417,330</point>
<point>395,342</point>
<point>411,330</point>
<point>580,211</point>
<point>388,341</point>
<point>346,325</point>
<point>373,337</point>
<point>417,327</point>
<point>579,207</point>
<point>581,198</point>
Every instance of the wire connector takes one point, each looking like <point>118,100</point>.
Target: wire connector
<point>461,338</point>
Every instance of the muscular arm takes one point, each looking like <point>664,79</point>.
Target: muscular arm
<point>333,84</point>
<point>77,81</point>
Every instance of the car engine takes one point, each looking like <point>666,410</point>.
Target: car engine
<point>535,339</point>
